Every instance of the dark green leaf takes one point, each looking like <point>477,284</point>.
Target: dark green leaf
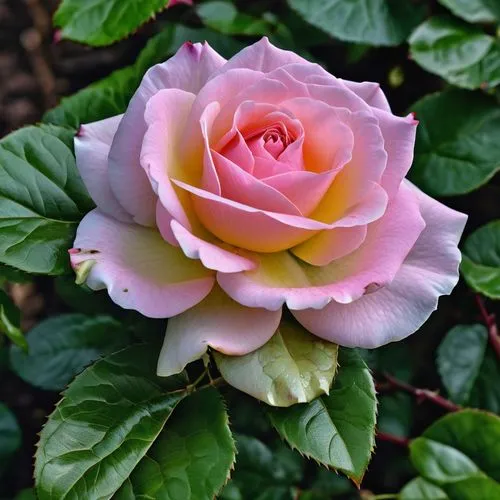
<point>8,273</point>
<point>473,433</point>
<point>336,430</point>
<point>42,199</point>
<point>10,435</point>
<point>481,260</point>
<point>292,367</point>
<point>191,458</point>
<point>441,463</point>
<point>486,391</point>
<point>223,16</point>
<point>27,494</point>
<point>103,427</point>
<point>60,347</point>
<point>102,22</point>
<point>459,358</point>
<point>473,489</point>
<point>377,22</point>
<point>395,414</point>
<point>10,319</point>
<point>474,11</point>
<point>421,489</point>
<point>457,148</point>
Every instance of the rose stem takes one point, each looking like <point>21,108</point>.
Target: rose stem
<point>390,438</point>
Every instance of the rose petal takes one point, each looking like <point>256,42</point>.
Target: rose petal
<point>211,255</point>
<point>281,278</point>
<point>327,246</point>
<point>92,145</point>
<point>140,270</point>
<point>400,308</point>
<point>370,92</point>
<point>218,322</point>
<point>188,70</point>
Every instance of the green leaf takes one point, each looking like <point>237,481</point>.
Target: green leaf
<point>42,199</point>
<point>461,54</point>
<point>481,260</point>
<point>292,367</point>
<point>110,96</point>
<point>457,148</point>
<point>224,17</point>
<point>459,359</point>
<point>26,494</point>
<point>10,435</point>
<point>474,434</point>
<point>8,273</point>
<point>441,463</point>
<point>192,457</point>
<point>486,391</point>
<point>60,347</point>
<point>102,22</point>
<point>10,320</point>
<point>337,430</point>
<point>473,489</point>
<point>421,489</point>
<point>262,473</point>
<point>377,22</point>
<point>106,423</point>
<point>395,414</point>
<point>474,11</point>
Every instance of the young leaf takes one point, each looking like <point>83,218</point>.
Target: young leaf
<point>444,45</point>
<point>337,430</point>
<point>106,423</point>
<point>102,22</point>
<point>481,260</point>
<point>459,358</point>
<point>60,347</point>
<point>421,489</point>
<point>10,435</point>
<point>191,458</point>
<point>378,22</point>
<point>457,148</point>
<point>474,11</point>
<point>42,199</point>
<point>473,436</point>
<point>293,367</point>
<point>10,319</point>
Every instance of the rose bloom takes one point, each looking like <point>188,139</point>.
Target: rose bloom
<point>230,189</point>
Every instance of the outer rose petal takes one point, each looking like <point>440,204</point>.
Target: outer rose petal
<point>211,255</point>
<point>370,92</point>
<point>218,322</point>
<point>188,70</point>
<point>399,309</point>
<point>140,270</point>
<point>262,56</point>
<point>92,146</point>
<point>281,278</point>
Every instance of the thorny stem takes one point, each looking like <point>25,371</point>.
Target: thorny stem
<point>390,438</point>
<point>491,325</point>
<point>421,394</point>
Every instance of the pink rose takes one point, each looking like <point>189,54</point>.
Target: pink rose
<point>230,189</point>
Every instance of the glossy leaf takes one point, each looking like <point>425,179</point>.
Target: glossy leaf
<point>474,11</point>
<point>457,148</point>
<point>103,427</point>
<point>10,319</point>
<point>421,489</point>
<point>471,433</point>
<point>378,22</point>
<point>481,260</point>
<point>486,391</point>
<point>459,359</point>
<point>42,199</point>
<point>192,456</point>
<point>10,435</point>
<point>473,489</point>
<point>292,367</point>
<point>336,430</point>
<point>60,347</point>
<point>102,22</point>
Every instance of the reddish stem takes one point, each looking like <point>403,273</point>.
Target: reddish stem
<point>422,394</point>
<point>491,325</point>
<point>390,438</point>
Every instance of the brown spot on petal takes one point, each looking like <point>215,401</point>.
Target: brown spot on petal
<point>372,287</point>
